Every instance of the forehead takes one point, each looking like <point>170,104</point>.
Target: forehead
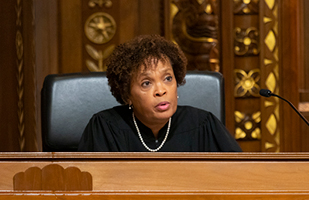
<point>153,65</point>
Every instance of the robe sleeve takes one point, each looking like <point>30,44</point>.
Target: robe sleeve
<point>97,136</point>
<point>218,137</point>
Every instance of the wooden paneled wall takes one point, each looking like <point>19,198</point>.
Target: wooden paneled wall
<point>18,116</point>
<point>240,63</point>
<point>8,83</point>
<point>82,47</point>
<point>254,44</point>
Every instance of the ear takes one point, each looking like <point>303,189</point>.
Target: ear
<point>128,101</point>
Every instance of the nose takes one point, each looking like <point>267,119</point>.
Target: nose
<point>160,90</point>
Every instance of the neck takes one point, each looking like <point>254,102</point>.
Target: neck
<point>155,127</point>
<point>155,131</point>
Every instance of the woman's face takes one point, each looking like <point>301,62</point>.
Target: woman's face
<point>154,93</point>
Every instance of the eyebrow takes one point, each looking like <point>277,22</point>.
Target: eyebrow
<point>148,73</point>
<point>144,74</point>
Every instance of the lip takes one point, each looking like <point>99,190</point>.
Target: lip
<point>162,106</point>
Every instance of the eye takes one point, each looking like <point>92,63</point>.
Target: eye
<point>145,83</point>
<point>169,78</point>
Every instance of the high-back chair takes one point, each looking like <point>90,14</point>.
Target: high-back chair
<point>68,101</point>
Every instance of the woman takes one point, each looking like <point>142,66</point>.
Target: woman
<point>143,75</point>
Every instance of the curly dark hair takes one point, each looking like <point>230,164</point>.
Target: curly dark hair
<point>145,50</point>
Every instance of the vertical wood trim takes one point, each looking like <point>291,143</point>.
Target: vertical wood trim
<point>70,36</point>
<point>46,49</point>
<point>20,73</point>
<point>301,25</point>
<point>289,62</point>
<point>227,60</point>
<point>304,70</point>
<point>30,93</point>
<point>128,25</point>
<point>167,19</point>
<point>8,81</point>
<point>270,76</point>
<point>305,43</point>
<point>46,38</point>
<point>150,24</point>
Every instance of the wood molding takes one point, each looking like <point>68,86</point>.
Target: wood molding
<point>289,55</point>
<point>162,175</point>
<point>227,60</point>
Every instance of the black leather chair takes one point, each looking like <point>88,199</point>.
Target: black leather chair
<point>204,90</point>
<point>68,101</point>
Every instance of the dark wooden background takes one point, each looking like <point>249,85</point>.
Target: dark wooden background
<point>254,44</point>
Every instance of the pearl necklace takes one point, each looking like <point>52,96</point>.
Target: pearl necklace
<point>141,138</point>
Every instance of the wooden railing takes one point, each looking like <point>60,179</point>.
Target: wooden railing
<point>39,175</point>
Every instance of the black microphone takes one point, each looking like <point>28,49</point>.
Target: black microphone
<point>268,93</point>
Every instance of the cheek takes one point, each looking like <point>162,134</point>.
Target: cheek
<point>141,98</point>
<point>175,92</point>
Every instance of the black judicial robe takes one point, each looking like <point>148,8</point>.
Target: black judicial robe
<point>192,130</point>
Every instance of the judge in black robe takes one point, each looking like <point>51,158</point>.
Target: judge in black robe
<point>192,130</point>
<point>143,75</point>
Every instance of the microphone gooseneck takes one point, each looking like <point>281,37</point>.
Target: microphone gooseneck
<point>268,93</point>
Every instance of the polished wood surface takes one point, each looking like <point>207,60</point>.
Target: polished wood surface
<point>167,175</point>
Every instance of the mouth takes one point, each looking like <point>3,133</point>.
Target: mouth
<point>163,106</point>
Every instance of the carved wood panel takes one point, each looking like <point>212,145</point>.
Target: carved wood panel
<point>52,177</point>
<point>255,44</point>
<point>194,27</point>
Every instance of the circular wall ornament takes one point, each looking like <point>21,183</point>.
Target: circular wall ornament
<point>100,27</point>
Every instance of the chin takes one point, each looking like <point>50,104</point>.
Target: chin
<point>167,114</point>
